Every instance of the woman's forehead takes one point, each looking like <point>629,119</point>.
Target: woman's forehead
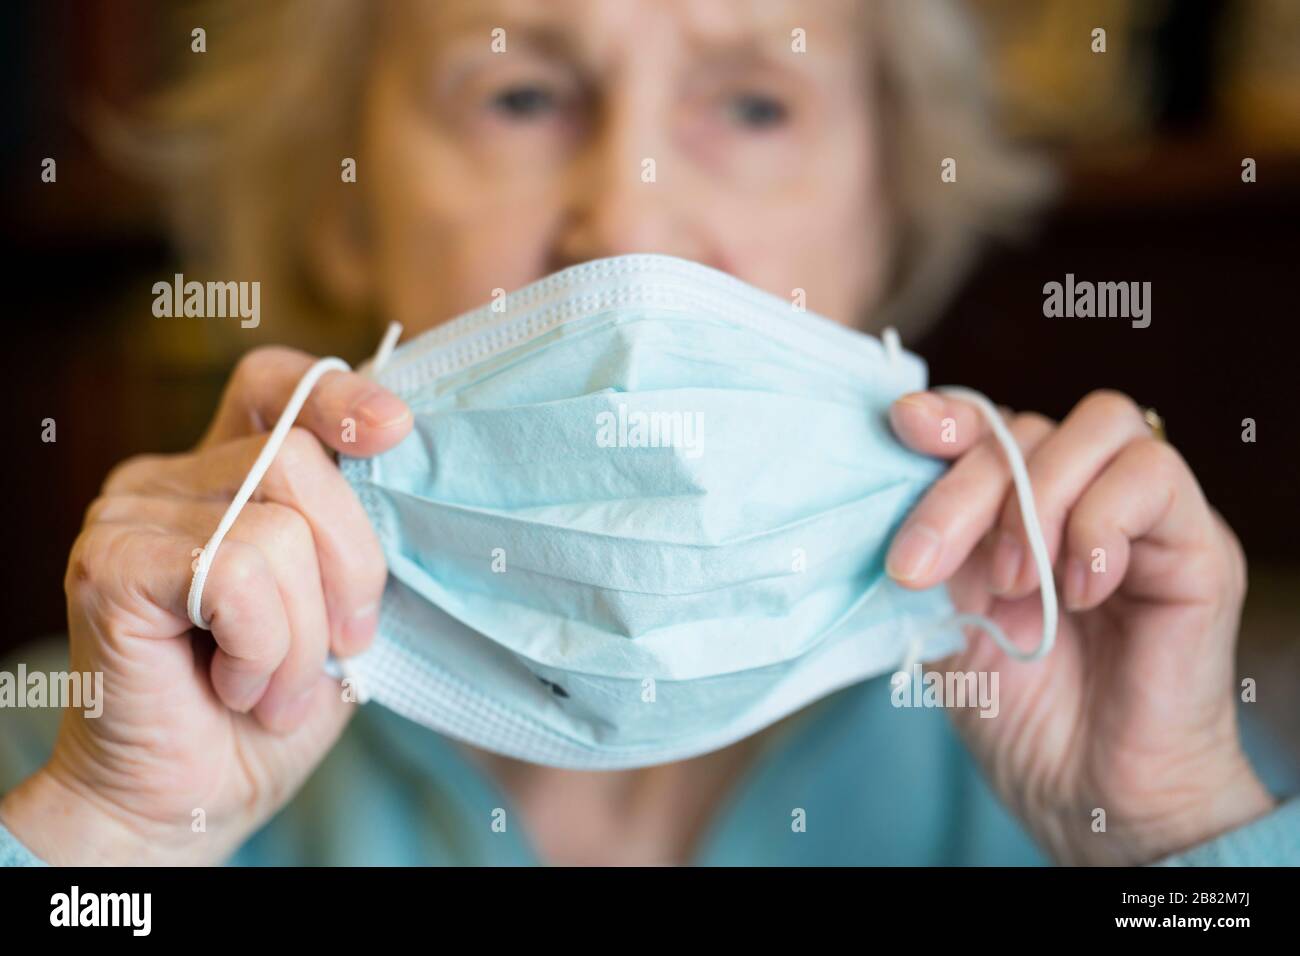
<point>592,26</point>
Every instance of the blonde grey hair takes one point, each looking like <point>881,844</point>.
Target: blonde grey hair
<point>245,142</point>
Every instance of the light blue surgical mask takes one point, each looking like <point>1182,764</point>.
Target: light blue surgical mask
<point>643,513</point>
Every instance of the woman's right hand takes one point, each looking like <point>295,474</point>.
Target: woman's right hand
<point>228,723</point>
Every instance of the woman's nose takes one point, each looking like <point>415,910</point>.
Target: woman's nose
<point>626,194</point>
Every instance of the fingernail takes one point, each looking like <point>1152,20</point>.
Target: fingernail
<point>926,402</point>
<point>359,629</point>
<point>1076,584</point>
<point>1008,557</point>
<point>381,409</point>
<point>913,553</point>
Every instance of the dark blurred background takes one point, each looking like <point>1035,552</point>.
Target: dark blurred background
<point>1150,138</point>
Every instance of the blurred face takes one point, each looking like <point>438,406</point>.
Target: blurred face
<point>686,127</point>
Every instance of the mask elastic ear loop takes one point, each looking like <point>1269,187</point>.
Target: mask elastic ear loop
<point>194,603</point>
<point>385,350</point>
<point>1033,531</point>
<point>1028,513</point>
<point>893,346</point>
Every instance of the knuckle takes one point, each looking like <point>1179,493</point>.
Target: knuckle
<point>253,367</point>
<point>1156,459</point>
<point>95,511</point>
<point>297,459</point>
<point>1111,404</point>
<point>239,569</point>
<point>249,367</point>
<point>1032,422</point>
<point>125,474</point>
<point>256,359</point>
<point>82,575</point>
<point>238,579</point>
<point>97,564</point>
<point>1031,426</point>
<point>282,529</point>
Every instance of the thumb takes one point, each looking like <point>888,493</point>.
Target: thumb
<point>346,411</point>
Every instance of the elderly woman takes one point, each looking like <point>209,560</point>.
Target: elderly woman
<point>794,146</point>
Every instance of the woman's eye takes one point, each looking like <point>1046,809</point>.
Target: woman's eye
<point>523,102</point>
<point>757,111</point>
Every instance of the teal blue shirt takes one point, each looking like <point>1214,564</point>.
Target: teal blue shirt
<point>875,785</point>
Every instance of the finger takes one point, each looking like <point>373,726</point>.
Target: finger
<point>270,546</point>
<point>1060,469</point>
<point>246,614</point>
<point>302,477</point>
<point>959,509</point>
<point>934,424</point>
<point>348,412</point>
<point>133,580</point>
<point>284,538</point>
<point>1148,494</point>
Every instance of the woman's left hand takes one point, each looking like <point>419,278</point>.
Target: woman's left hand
<point>1134,710</point>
